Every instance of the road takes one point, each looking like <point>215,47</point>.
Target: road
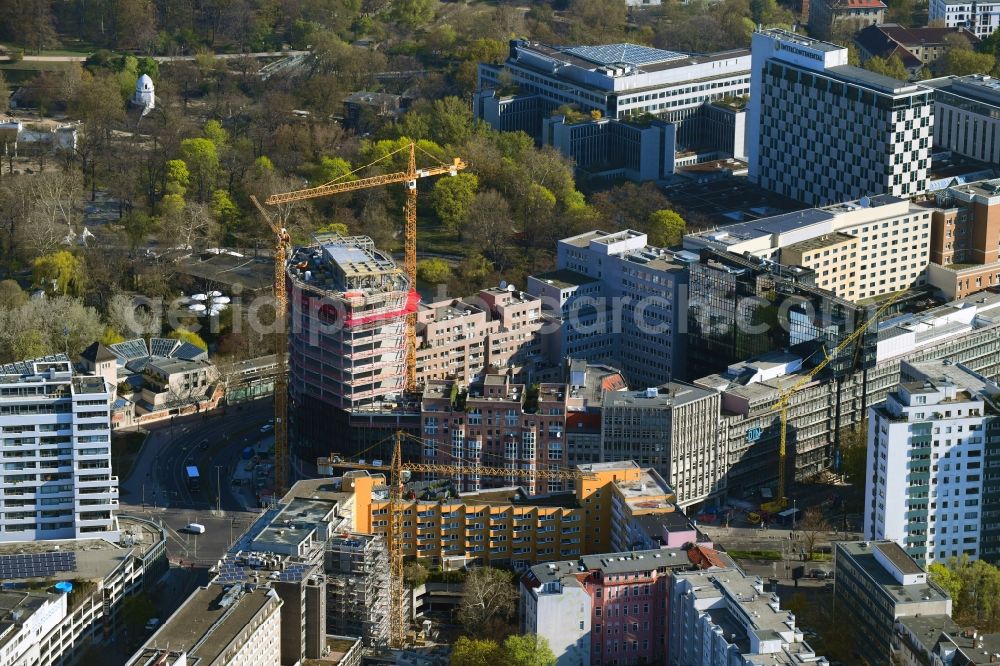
<point>158,475</point>
<point>157,489</point>
<point>220,56</point>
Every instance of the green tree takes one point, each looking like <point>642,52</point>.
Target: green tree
<point>527,650</point>
<point>413,13</point>
<point>900,11</point>
<point>960,62</point>
<point>451,198</point>
<point>451,121</point>
<point>62,271</point>
<point>332,169</point>
<point>52,324</point>
<point>29,344</point>
<point>665,228</point>
<point>11,295</point>
<point>415,574</point>
<point>476,271</point>
<point>433,271</point>
<point>475,652</point>
<point>138,226</point>
<point>214,132</point>
<point>127,68</point>
<point>177,176</point>
<point>224,210</point>
<point>202,160</point>
<point>949,581</point>
<point>893,66</point>
<point>334,228</point>
<point>184,335</point>
<point>137,610</point>
<point>148,66</point>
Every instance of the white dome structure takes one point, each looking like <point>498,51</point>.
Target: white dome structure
<point>145,95</point>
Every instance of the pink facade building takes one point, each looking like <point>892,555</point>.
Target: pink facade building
<point>460,338</point>
<point>348,304</point>
<point>495,422</point>
<point>602,609</point>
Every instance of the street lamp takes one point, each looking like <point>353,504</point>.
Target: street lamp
<point>794,513</point>
<point>218,490</point>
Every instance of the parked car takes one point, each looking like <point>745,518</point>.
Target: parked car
<point>818,573</point>
<point>267,427</point>
<point>194,528</point>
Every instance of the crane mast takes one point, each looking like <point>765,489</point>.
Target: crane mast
<point>780,501</point>
<point>397,470</point>
<point>281,453</point>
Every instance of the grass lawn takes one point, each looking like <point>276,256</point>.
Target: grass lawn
<point>124,449</point>
<point>80,50</point>
<point>33,66</point>
<point>434,238</point>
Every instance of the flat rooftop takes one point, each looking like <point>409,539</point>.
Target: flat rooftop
<point>864,557</point>
<point>203,628</point>
<point>942,371</point>
<point>346,264</point>
<point>801,40</point>
<point>26,368</point>
<point>96,559</point>
<point>986,189</point>
<point>820,242</point>
<point>295,523</point>
<point>629,59</point>
<point>672,394</point>
<point>981,87</point>
<point>602,237</point>
<point>354,260</point>
<point>249,273</point>
<point>25,604</point>
<point>635,561</point>
<point>878,82</point>
<point>728,200</point>
<point>565,278</point>
<point>767,620</point>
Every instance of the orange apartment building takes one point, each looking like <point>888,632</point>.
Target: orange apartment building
<point>612,508</point>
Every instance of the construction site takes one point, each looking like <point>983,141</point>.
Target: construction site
<point>357,567</point>
<point>349,305</point>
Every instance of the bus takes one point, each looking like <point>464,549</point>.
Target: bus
<point>193,478</point>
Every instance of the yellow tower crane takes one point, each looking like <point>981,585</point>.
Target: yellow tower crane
<point>397,470</point>
<point>281,457</point>
<point>781,502</point>
<point>409,177</point>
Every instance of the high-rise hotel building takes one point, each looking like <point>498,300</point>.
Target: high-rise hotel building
<point>55,440</point>
<point>822,131</point>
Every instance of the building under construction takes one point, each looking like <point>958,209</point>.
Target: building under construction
<point>347,339</point>
<point>357,569</point>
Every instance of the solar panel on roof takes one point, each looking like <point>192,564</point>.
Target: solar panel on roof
<point>36,565</point>
<point>161,346</point>
<point>130,349</point>
<point>188,352</point>
<point>625,54</point>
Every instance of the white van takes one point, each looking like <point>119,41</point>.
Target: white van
<point>195,528</point>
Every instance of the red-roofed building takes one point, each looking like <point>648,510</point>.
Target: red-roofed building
<point>915,47</point>
<point>838,18</point>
